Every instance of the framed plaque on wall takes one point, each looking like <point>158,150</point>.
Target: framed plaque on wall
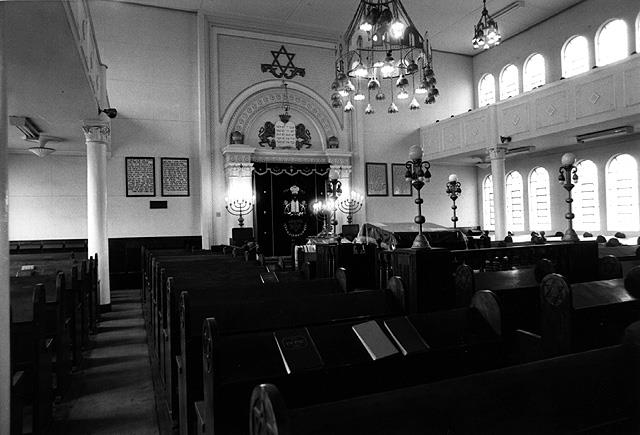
<point>140,176</point>
<point>376,176</point>
<point>399,184</point>
<point>174,174</point>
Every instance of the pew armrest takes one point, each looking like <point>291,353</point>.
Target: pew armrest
<point>528,346</point>
<point>200,411</point>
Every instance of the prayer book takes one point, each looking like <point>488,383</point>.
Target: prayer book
<point>297,349</point>
<point>405,335</point>
<point>374,340</point>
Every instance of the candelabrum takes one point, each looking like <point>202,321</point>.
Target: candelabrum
<point>350,204</point>
<point>454,191</point>
<point>239,207</point>
<point>323,211</point>
<point>334,190</point>
<point>568,178</point>
<point>418,174</point>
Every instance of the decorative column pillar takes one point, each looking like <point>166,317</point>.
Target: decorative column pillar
<point>497,155</point>
<point>5,324</point>
<point>238,170</point>
<point>344,178</point>
<point>98,138</point>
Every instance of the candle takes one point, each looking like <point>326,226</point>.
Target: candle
<point>568,159</point>
<point>415,152</point>
<point>453,178</point>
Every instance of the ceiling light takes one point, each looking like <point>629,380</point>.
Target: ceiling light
<point>605,134</point>
<point>42,150</point>
<point>485,32</point>
<point>382,43</point>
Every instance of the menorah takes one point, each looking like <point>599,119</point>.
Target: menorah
<point>323,211</point>
<point>351,204</point>
<point>239,207</point>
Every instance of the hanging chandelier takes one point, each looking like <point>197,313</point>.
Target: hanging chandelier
<point>383,52</point>
<point>486,34</point>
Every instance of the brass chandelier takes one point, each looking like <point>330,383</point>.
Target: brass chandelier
<point>382,51</point>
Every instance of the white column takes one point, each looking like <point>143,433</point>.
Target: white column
<point>97,137</point>
<point>204,134</point>
<point>5,325</point>
<point>497,155</point>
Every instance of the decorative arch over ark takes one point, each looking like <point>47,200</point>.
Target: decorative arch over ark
<point>263,102</point>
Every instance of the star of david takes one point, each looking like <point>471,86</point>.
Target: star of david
<point>288,71</point>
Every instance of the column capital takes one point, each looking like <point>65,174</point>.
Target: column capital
<point>97,131</point>
<point>497,152</point>
<point>232,169</point>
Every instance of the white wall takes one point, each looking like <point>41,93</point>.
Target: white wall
<point>548,38</point>
<point>47,197</point>
<point>151,55</point>
<point>389,136</point>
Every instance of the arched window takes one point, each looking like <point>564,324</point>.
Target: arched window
<point>509,82</point>
<point>612,43</point>
<point>622,194</point>
<point>575,56</point>
<point>539,200</point>
<point>486,90</point>
<point>488,210</point>
<point>638,33</point>
<point>515,209</point>
<point>585,197</point>
<point>533,73</point>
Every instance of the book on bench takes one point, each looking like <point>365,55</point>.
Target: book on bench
<point>297,349</point>
<point>406,336</point>
<point>374,340</point>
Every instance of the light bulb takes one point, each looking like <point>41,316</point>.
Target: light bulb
<point>414,105</point>
<point>366,27</point>
<point>343,92</point>
<point>397,29</point>
<point>369,110</point>
<point>392,108</point>
<point>403,95</point>
<point>348,107</point>
<point>359,96</point>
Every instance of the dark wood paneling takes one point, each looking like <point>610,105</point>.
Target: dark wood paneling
<point>124,256</point>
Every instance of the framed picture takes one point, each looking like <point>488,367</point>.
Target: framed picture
<point>140,176</point>
<point>399,185</point>
<point>175,176</point>
<point>376,175</point>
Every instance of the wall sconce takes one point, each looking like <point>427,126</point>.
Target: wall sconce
<point>568,177</point>
<point>351,204</point>
<point>239,206</point>
<point>454,191</point>
<point>418,174</point>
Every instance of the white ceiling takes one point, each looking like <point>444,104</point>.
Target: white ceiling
<point>449,22</point>
<point>45,76</point>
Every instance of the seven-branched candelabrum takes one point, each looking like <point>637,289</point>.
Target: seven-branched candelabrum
<point>454,191</point>
<point>239,207</point>
<point>568,178</point>
<point>350,204</point>
<point>418,174</point>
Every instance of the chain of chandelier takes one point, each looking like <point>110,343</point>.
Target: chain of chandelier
<point>383,52</point>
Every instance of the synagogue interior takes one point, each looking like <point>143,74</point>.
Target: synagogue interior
<point>319,217</point>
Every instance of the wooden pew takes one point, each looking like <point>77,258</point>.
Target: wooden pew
<point>232,363</point>
<point>246,315</point>
<point>214,295</point>
<point>578,317</point>
<point>57,321</point>
<point>592,392</point>
<point>32,353</point>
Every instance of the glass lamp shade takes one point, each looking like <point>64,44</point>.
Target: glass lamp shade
<point>41,151</point>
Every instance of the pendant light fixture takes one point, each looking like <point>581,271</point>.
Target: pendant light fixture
<point>486,34</point>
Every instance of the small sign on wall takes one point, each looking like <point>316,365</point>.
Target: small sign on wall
<point>174,176</point>
<point>140,176</point>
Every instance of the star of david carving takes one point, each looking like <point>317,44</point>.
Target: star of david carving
<point>288,71</point>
